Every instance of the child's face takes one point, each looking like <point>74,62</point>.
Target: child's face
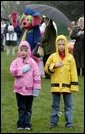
<point>61,45</point>
<point>23,51</point>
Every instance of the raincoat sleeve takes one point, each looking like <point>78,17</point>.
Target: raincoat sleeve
<point>74,76</point>
<point>15,70</point>
<point>49,66</point>
<point>36,78</point>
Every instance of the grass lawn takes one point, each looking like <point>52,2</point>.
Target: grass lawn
<point>41,106</point>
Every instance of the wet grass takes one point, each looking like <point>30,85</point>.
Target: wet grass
<point>41,106</point>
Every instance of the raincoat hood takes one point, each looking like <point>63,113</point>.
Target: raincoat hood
<point>66,43</point>
<point>24,43</point>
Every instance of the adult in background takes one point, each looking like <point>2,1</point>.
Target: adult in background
<point>3,25</point>
<point>71,27</point>
<point>78,52</point>
<point>43,25</point>
<point>11,40</point>
<point>48,42</point>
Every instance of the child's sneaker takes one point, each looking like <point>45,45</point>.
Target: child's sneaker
<point>19,128</point>
<point>27,128</point>
<point>52,126</point>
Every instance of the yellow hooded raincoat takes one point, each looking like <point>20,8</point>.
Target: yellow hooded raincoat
<point>63,79</point>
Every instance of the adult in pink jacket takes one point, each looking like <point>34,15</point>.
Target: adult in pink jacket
<point>27,83</point>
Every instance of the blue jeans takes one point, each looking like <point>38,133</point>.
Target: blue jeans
<point>24,104</point>
<point>67,108</point>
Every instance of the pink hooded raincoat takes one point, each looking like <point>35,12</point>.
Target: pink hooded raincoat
<point>25,83</point>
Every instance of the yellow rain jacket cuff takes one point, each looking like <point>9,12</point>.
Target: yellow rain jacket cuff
<point>52,68</point>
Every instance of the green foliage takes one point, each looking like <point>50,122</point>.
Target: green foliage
<point>41,106</point>
<point>72,9</point>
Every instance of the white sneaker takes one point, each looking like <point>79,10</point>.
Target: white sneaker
<point>19,128</point>
<point>27,128</point>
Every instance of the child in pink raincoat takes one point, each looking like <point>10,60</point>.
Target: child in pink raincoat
<point>27,84</point>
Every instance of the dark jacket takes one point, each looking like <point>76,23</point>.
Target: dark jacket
<point>78,51</point>
<point>48,41</point>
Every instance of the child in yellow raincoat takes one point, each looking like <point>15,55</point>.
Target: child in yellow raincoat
<point>64,80</point>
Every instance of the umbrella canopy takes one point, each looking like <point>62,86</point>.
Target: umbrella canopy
<point>51,12</point>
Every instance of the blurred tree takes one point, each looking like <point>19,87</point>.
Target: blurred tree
<point>72,9</point>
<point>9,6</point>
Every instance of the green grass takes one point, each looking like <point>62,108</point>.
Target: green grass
<point>41,106</point>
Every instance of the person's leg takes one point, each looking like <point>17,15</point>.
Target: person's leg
<point>13,50</point>
<point>55,109</point>
<point>82,71</point>
<point>44,61</point>
<point>78,71</point>
<point>41,68</point>
<point>2,42</point>
<point>14,45</point>
<point>28,112</point>
<point>21,110</point>
<point>7,50</point>
<point>68,109</point>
